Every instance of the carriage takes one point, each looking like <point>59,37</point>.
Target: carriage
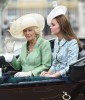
<point>41,88</point>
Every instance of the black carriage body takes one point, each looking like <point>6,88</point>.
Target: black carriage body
<point>52,89</point>
<point>43,90</point>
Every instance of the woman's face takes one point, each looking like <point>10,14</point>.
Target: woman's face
<point>29,33</point>
<point>55,28</point>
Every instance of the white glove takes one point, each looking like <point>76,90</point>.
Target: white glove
<point>23,74</point>
<point>8,57</point>
<point>9,45</point>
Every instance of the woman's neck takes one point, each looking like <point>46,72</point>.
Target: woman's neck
<point>60,36</point>
<point>33,41</point>
<point>32,44</point>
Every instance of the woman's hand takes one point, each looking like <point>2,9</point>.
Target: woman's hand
<point>43,73</point>
<point>23,74</point>
<point>57,74</point>
<point>8,57</point>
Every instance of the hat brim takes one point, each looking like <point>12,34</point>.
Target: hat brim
<point>29,20</point>
<point>59,10</point>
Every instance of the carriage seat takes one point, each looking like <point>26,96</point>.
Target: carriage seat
<point>81,54</point>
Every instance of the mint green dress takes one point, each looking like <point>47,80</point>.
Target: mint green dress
<point>36,61</point>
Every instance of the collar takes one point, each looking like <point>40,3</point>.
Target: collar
<point>62,42</point>
<point>39,41</point>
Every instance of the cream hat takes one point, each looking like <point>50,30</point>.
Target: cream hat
<point>28,20</point>
<point>58,10</point>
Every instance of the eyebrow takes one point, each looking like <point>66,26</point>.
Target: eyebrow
<point>52,24</point>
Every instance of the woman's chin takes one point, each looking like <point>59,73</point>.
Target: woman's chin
<point>53,33</point>
<point>29,39</point>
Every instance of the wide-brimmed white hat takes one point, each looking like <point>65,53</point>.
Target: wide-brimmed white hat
<point>25,21</point>
<point>58,10</point>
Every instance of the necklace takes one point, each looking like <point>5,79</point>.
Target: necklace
<point>30,48</point>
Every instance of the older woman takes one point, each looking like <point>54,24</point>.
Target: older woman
<point>35,55</point>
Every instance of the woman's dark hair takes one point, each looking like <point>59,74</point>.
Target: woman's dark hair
<point>67,30</point>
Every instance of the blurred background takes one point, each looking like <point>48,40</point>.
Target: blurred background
<point>12,9</point>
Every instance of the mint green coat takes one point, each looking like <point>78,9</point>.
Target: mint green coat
<point>37,61</point>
